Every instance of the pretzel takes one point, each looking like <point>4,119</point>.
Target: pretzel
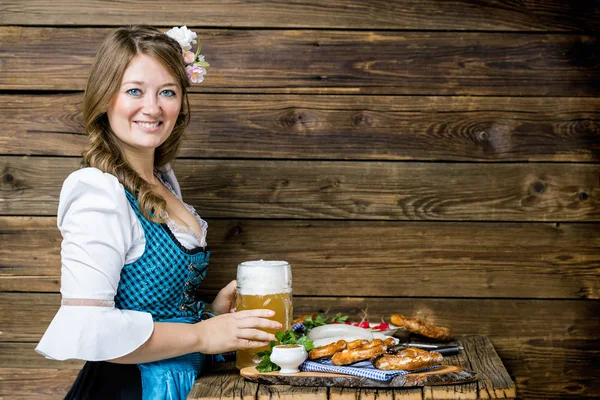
<point>356,343</point>
<point>409,359</point>
<point>422,328</point>
<point>362,353</point>
<point>327,350</point>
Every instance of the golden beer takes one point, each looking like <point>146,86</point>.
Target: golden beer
<point>264,285</point>
<point>281,303</point>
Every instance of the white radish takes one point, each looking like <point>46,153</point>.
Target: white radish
<point>339,330</point>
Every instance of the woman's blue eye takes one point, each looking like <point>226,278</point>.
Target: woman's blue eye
<point>134,92</point>
<point>169,93</point>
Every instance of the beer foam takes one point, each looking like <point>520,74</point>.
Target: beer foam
<point>264,277</point>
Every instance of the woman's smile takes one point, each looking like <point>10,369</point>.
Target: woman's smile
<point>149,126</point>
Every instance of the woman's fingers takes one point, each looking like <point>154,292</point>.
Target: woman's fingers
<point>244,344</point>
<point>229,290</point>
<point>245,329</point>
<point>232,286</point>
<point>264,313</point>
<point>255,335</point>
<point>262,323</point>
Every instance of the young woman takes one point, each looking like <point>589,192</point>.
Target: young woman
<point>133,253</point>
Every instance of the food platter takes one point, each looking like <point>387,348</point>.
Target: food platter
<point>340,346</point>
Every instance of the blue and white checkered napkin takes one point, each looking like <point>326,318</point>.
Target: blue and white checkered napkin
<point>363,369</point>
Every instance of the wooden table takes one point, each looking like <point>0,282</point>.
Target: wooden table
<point>479,355</point>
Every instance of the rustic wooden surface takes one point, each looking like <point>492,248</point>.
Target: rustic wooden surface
<point>338,127</point>
<point>412,14</point>
<point>271,392</point>
<point>343,190</point>
<point>23,355</point>
<point>567,269</point>
<point>442,375</point>
<point>504,319</point>
<point>51,379</point>
<point>35,383</point>
<point>338,393</point>
<point>327,61</point>
<point>484,361</point>
<point>461,391</point>
<point>493,380</point>
<point>224,384</point>
<point>434,158</point>
<point>572,324</point>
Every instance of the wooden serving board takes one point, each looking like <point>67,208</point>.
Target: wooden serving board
<point>442,375</point>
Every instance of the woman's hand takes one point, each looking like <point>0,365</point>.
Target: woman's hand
<point>236,331</point>
<point>224,301</point>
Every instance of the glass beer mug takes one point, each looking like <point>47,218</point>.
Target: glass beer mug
<point>268,285</point>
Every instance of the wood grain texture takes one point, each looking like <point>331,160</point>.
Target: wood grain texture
<point>519,330</point>
<point>436,159</point>
<point>442,376</point>
<point>337,127</point>
<point>507,318</point>
<point>527,15</point>
<point>549,367</point>
<point>573,365</point>
<point>224,384</point>
<point>462,391</point>
<point>340,393</point>
<point>495,318</point>
<point>493,380</point>
<point>35,383</point>
<point>274,392</point>
<point>23,355</point>
<point>323,61</point>
<point>434,259</point>
<point>343,190</point>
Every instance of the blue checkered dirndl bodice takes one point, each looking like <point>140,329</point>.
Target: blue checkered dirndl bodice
<point>163,282</point>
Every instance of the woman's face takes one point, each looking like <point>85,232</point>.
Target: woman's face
<point>145,109</point>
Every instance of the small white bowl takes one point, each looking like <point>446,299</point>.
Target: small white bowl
<point>289,357</point>
<point>390,332</point>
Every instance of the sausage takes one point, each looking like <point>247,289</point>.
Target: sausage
<point>409,359</point>
<point>339,330</point>
<point>420,327</point>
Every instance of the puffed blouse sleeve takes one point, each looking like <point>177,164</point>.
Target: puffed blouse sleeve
<point>99,231</point>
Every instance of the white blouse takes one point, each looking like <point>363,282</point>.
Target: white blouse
<point>101,233</point>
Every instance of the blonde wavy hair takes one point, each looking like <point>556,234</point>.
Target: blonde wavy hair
<point>104,150</point>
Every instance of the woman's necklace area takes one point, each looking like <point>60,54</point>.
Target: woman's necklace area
<point>171,212</point>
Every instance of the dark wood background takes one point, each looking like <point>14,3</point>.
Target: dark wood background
<point>431,158</point>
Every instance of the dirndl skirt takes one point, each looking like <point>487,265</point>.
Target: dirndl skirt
<point>170,379</point>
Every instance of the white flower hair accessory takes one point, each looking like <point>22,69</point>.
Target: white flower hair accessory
<point>196,65</point>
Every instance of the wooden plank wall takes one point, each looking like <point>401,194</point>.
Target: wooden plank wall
<point>425,157</point>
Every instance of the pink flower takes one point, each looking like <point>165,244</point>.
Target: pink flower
<point>195,73</point>
<point>189,57</point>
